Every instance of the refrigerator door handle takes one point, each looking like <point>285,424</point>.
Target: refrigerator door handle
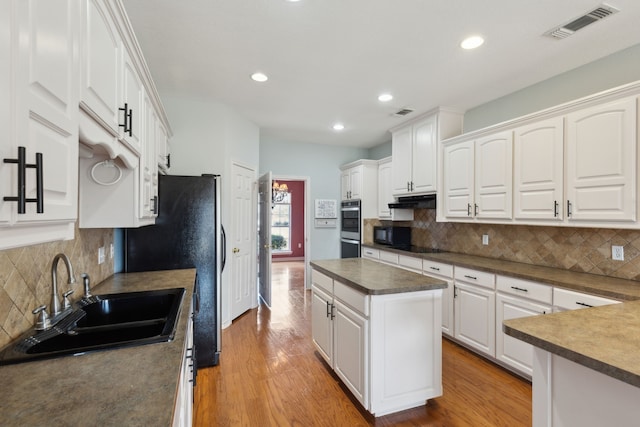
<point>224,247</point>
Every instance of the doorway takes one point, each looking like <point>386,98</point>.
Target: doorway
<point>289,227</point>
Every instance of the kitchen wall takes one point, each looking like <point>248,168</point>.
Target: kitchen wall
<point>614,70</point>
<point>585,250</point>
<point>321,164</point>
<point>25,276</point>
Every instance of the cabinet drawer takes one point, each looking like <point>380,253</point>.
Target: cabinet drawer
<point>370,253</point>
<point>480,278</point>
<point>352,298</point>
<point>388,257</point>
<point>410,262</point>
<point>570,300</point>
<point>322,281</point>
<point>433,267</point>
<point>525,288</point>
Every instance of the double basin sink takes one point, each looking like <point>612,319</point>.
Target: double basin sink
<point>102,322</point>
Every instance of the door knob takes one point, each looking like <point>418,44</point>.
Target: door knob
<point>236,250</point>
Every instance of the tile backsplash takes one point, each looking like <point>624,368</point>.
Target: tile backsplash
<point>577,249</point>
<point>25,276</point>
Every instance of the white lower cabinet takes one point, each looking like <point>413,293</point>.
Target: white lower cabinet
<point>183,411</point>
<point>444,272</point>
<point>474,307</point>
<point>564,300</point>
<point>380,346</point>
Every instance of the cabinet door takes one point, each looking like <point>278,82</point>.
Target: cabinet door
<point>493,176</point>
<point>47,96</point>
<point>101,65</point>
<point>355,182</point>
<point>350,344</point>
<point>133,92</point>
<point>517,354</point>
<point>401,152</point>
<point>423,164</point>
<point>601,162</point>
<point>7,171</point>
<point>345,185</point>
<point>475,317</point>
<point>321,323</point>
<point>148,164</point>
<point>385,194</point>
<point>447,305</point>
<point>538,164</point>
<point>458,161</point>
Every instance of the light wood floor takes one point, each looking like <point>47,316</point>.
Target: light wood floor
<point>270,375</point>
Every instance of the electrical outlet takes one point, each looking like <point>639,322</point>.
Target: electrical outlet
<point>485,239</point>
<point>299,245</point>
<point>617,253</point>
<point>101,255</point>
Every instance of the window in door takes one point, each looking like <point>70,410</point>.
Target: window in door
<point>281,225</point>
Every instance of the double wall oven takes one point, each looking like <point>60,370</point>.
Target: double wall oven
<point>350,232</point>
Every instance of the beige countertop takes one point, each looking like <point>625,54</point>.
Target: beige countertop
<point>611,287</point>
<point>606,339</point>
<point>374,278</point>
<point>129,386</point>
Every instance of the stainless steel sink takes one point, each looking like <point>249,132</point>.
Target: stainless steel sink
<point>103,322</point>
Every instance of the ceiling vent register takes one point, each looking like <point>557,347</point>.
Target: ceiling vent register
<point>580,22</point>
<point>403,112</point>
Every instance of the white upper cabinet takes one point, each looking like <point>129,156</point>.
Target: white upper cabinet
<point>133,105</point>
<point>41,121</point>
<point>478,177</point>
<point>415,151</point>
<point>601,162</point>
<point>493,176</point>
<point>538,151</point>
<point>458,160</point>
<point>101,65</point>
<point>359,180</point>
<point>385,194</point>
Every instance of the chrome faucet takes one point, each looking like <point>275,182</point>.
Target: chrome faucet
<point>56,307</point>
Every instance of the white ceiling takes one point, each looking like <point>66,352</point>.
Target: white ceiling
<point>328,60</point>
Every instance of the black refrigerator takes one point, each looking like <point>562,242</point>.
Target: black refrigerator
<point>187,233</point>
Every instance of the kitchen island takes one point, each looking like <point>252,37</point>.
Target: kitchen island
<point>586,368</point>
<point>379,328</point>
<point>128,386</point>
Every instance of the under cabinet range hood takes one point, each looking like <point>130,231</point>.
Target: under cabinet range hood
<point>427,201</point>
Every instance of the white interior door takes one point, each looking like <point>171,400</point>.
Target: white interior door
<point>243,285</point>
<point>264,238</point>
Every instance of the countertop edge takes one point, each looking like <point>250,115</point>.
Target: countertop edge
<point>433,285</point>
<point>579,358</point>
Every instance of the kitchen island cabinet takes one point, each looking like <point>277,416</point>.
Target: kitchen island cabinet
<point>379,328</point>
<point>586,369</point>
<point>129,386</point>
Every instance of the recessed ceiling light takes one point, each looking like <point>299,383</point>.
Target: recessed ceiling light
<point>259,77</point>
<point>338,126</point>
<point>385,97</point>
<point>472,42</point>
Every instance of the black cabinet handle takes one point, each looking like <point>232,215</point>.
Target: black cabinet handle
<point>468,209</point>
<point>583,304</point>
<point>520,289</point>
<point>328,312</point>
<point>128,119</point>
<point>555,208</point>
<point>475,209</point>
<point>333,315</point>
<point>169,161</point>
<point>470,277</point>
<point>21,198</point>
<point>435,268</point>
<point>568,208</point>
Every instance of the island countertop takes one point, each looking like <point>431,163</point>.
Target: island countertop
<point>375,278</point>
<point>128,386</point>
<point>605,338</point>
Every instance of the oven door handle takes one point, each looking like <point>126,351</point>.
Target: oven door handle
<point>354,242</point>
<point>350,209</point>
